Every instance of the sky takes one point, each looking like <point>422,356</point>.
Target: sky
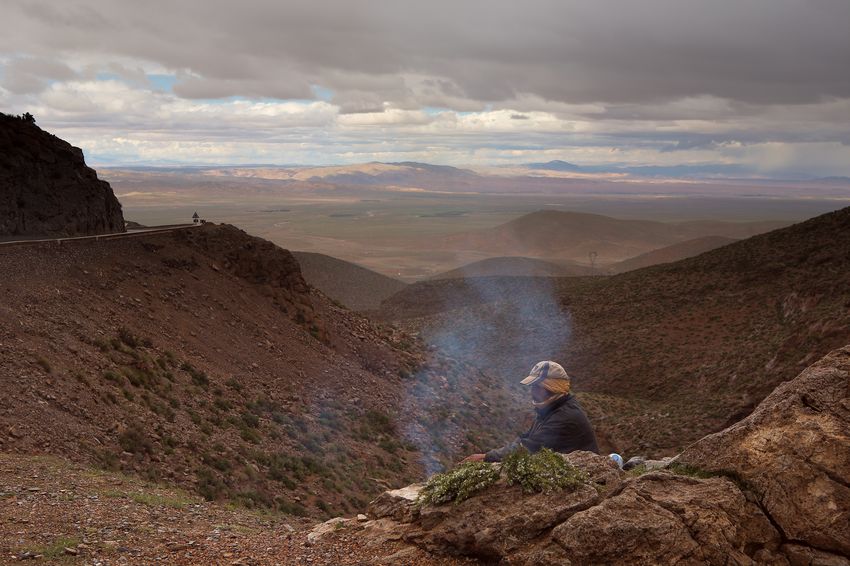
<point>762,85</point>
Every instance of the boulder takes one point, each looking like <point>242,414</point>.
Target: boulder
<point>396,504</point>
<point>329,526</point>
<point>498,522</point>
<point>793,453</point>
<point>663,518</point>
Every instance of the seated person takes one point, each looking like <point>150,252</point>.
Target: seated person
<point>560,423</point>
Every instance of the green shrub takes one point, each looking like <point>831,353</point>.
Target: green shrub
<point>210,486</point>
<point>110,375</point>
<point>199,378</point>
<point>128,337</point>
<point>323,506</point>
<point>250,419</point>
<point>374,424</point>
<point>249,435</point>
<point>458,484</point>
<point>292,508</point>
<point>134,440</point>
<point>545,471</point>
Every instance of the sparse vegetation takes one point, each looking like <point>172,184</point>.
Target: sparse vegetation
<point>458,484</point>
<point>134,440</point>
<point>544,471</point>
<point>199,377</point>
<point>55,549</point>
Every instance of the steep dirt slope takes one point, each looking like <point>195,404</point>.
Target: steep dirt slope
<point>668,353</point>
<point>669,254</point>
<point>46,189</point>
<point>354,286</point>
<point>201,357</point>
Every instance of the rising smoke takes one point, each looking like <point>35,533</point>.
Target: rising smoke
<point>500,325</point>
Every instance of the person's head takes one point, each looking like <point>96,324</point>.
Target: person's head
<point>548,380</point>
<point>539,393</point>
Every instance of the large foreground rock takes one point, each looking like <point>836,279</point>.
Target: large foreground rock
<point>663,518</point>
<point>793,453</point>
<point>772,489</point>
<point>46,189</point>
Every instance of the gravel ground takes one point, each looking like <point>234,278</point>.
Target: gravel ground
<point>54,511</point>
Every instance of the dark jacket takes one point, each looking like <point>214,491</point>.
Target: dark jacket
<point>562,427</point>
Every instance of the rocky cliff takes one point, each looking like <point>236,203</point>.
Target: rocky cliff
<point>46,189</point>
<point>772,489</point>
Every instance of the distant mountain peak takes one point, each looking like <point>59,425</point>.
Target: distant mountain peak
<point>554,165</point>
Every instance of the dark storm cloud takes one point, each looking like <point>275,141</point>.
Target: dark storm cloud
<point>755,52</point>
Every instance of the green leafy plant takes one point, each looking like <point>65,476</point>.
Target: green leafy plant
<point>545,471</point>
<point>458,484</point>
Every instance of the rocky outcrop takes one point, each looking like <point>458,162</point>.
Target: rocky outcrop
<point>664,518</point>
<point>772,489</point>
<point>46,189</point>
<point>257,261</point>
<point>793,454</point>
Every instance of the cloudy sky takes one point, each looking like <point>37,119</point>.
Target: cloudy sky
<point>763,84</point>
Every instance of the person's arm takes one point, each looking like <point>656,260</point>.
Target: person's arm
<point>498,454</point>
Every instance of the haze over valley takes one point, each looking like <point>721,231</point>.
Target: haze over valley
<point>398,219</point>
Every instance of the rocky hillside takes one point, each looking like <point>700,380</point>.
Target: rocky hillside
<point>46,189</point>
<point>354,286</point>
<point>201,358</point>
<point>772,489</point>
<point>666,354</point>
<point>668,254</point>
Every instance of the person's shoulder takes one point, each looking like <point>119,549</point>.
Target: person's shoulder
<point>570,407</point>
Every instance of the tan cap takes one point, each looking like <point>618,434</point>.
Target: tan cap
<point>544,370</point>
